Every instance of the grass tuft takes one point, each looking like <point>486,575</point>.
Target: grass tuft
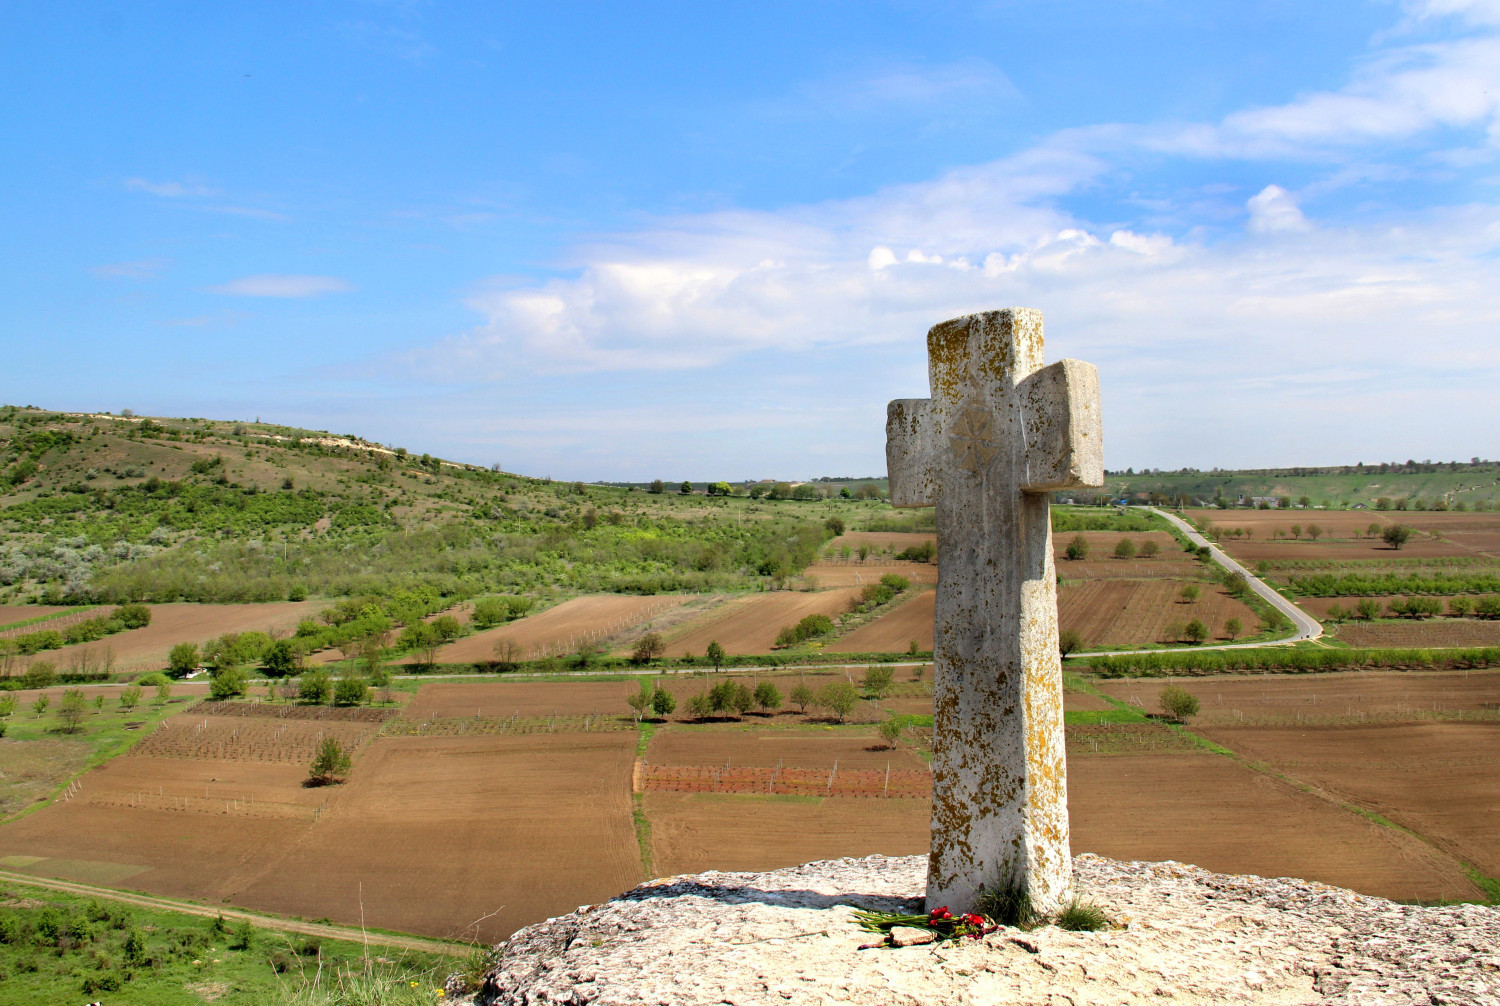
<point>1082,916</point>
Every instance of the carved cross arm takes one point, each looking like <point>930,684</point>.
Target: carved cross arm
<point>911,447</point>
<point>1062,427</point>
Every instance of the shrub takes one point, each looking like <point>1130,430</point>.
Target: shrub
<point>350,691</point>
<point>227,683</point>
<point>134,616</point>
<point>802,696</point>
<point>918,553</point>
<point>890,731</point>
<point>895,581</point>
<point>40,674</point>
<point>315,687</point>
<point>1068,641</point>
<point>1124,549</point>
<point>280,659</point>
<point>183,659</point>
<point>1178,703</point>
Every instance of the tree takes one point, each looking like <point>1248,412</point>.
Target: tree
<point>838,697</point>
<point>1314,531</point>
<point>422,639</point>
<point>890,731</point>
<point>715,654</point>
<point>330,765</point>
<point>835,526</point>
<point>350,691</point>
<point>490,611</point>
<point>135,616</point>
<point>1195,631</point>
<point>1069,640</point>
<point>447,628</point>
<point>1367,608</point>
<point>663,702</point>
<point>719,489</point>
<point>700,706</point>
<point>72,709</point>
<point>767,697</point>
<point>1189,593</point>
<point>507,654</point>
<point>1178,703</point>
<point>227,683</point>
<point>1149,548</point>
<point>1296,530</point>
<point>657,487</point>
<point>648,648</point>
<point>39,675</point>
<point>315,687</point>
<point>131,697</point>
<point>1233,628</point>
<point>802,696</point>
<point>1460,606</point>
<point>1396,535</point>
<point>40,705</point>
<point>1078,548</point>
<point>280,659</point>
<point>640,701</point>
<point>183,659</point>
<point>686,488</point>
<point>878,680</point>
<point>1304,501</point>
<point>1124,549</point>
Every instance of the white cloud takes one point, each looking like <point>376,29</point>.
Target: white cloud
<point>881,89</point>
<point>148,268</point>
<point>1272,211</point>
<point>171,190</point>
<point>282,286</point>
<point>1484,12</point>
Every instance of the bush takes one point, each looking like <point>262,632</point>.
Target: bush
<point>802,696</point>
<point>134,616</point>
<point>1068,641</point>
<point>1078,548</point>
<point>280,659</point>
<point>1125,549</point>
<point>919,553</point>
<point>890,731</point>
<point>663,702</point>
<point>40,674</point>
<point>227,683</point>
<point>183,659</point>
<point>1178,703</point>
<point>315,687</point>
<point>1083,916</point>
<point>648,648</point>
<point>350,691</point>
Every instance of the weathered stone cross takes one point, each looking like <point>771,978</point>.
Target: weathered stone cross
<point>999,432</point>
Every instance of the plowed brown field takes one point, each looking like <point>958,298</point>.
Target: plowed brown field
<point>1436,632</point>
<point>799,749</point>
<point>446,836</point>
<point>1442,780</point>
<point>1339,699</point>
<point>561,629</point>
<point>21,612</point>
<point>855,574</point>
<point>895,631</point>
<point>142,649</point>
<point>750,624</point>
<point>1105,613</point>
<point>1194,808</point>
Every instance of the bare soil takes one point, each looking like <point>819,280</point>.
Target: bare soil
<point>1433,632</point>
<point>750,624</point>
<point>1195,808</point>
<point>1104,612</point>
<point>466,836</point>
<point>792,748</point>
<point>1441,780</point>
<point>147,648</point>
<point>1340,699</point>
<point>836,573</point>
<point>561,629</point>
<point>21,612</point>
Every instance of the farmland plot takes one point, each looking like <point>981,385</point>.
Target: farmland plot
<point>750,624</point>
<point>562,629</point>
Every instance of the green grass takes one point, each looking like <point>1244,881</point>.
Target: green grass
<point>183,960</point>
<point>642,832</point>
<point>101,736</point>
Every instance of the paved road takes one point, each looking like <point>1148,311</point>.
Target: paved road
<point>324,930</point>
<point>1307,626</point>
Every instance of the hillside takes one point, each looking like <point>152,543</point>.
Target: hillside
<point>109,508</point>
<point>1473,484</point>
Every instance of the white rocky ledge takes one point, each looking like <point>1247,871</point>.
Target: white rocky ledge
<point>1188,936</point>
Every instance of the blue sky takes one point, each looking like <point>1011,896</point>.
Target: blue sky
<point>623,241</point>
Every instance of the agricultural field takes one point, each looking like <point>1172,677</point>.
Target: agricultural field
<point>749,624</point>
<point>562,629</point>
<point>827,573</point>
<point>146,649</point>
<point>1106,613</point>
<point>1345,537</point>
<point>12,613</point>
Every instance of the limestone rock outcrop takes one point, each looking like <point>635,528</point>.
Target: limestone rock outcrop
<point>1184,935</point>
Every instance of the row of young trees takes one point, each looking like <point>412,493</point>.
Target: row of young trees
<point>1125,548</point>
<point>1486,606</point>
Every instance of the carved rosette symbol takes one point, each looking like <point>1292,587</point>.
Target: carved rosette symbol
<point>973,439</point>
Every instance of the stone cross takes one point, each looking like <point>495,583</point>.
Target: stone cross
<point>998,434</point>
